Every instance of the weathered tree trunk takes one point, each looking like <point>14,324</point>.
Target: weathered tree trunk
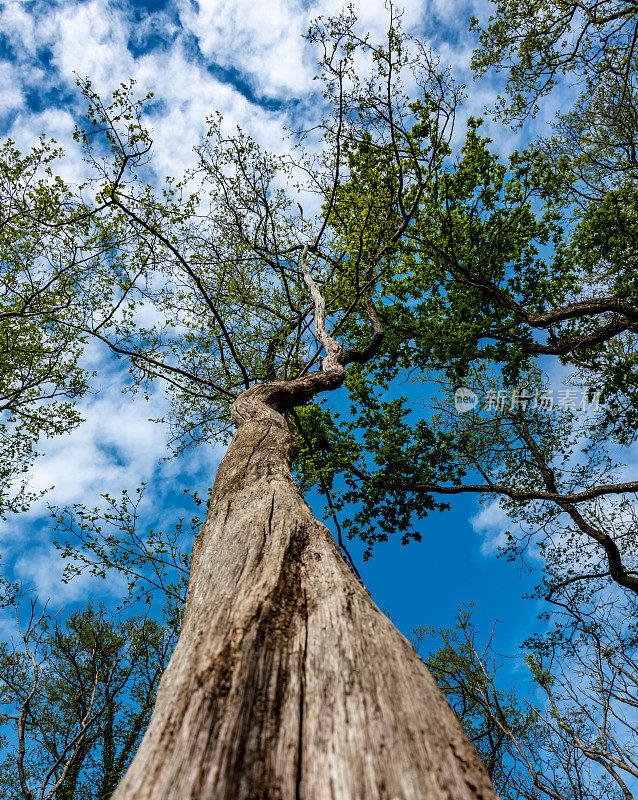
<point>287,682</point>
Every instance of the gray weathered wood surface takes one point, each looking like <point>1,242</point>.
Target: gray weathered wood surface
<point>287,682</point>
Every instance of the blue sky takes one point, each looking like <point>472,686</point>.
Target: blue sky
<point>248,60</point>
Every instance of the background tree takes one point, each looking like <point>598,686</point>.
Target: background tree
<point>76,698</point>
<point>154,564</point>
<point>41,262</point>
<point>464,673</point>
<point>589,47</point>
<point>60,276</point>
<point>573,735</point>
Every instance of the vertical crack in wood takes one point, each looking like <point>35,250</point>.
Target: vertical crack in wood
<point>302,692</point>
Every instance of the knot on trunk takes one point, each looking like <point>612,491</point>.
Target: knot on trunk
<point>258,403</point>
<point>271,401</point>
<point>263,444</point>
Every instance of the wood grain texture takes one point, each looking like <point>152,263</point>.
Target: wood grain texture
<point>287,682</point>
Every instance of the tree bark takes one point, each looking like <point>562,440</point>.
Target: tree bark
<point>287,682</point>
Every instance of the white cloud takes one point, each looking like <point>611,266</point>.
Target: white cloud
<point>491,523</point>
<point>11,96</point>
<point>261,40</point>
<point>264,41</point>
<point>90,38</point>
<point>18,25</point>
<point>42,569</point>
<point>115,444</point>
<point>117,447</point>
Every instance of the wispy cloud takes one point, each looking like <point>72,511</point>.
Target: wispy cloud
<point>491,523</point>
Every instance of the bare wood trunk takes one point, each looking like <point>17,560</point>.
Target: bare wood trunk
<point>287,682</point>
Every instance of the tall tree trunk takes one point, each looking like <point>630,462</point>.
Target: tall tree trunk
<point>287,682</point>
